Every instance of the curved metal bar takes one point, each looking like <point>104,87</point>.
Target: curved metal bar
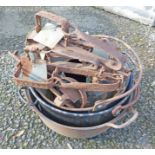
<point>137,82</point>
<point>125,124</point>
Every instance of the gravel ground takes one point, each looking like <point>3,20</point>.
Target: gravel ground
<point>21,128</point>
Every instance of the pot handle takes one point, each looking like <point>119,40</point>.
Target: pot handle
<point>21,97</point>
<point>128,122</point>
<point>130,104</point>
<point>53,17</point>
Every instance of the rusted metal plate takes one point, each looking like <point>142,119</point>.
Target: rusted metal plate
<point>33,71</point>
<point>49,36</point>
<point>105,44</point>
<point>39,71</point>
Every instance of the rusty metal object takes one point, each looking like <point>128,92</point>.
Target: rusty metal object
<point>80,118</point>
<point>88,70</point>
<point>58,19</point>
<point>84,132</point>
<point>82,73</point>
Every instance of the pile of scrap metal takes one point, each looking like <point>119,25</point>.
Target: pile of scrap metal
<point>79,84</point>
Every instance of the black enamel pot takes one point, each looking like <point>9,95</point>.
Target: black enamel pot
<point>78,119</point>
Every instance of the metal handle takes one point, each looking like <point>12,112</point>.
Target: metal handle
<point>134,99</point>
<point>55,18</point>
<point>21,97</point>
<point>128,122</point>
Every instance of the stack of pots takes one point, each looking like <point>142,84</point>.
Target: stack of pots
<point>97,91</point>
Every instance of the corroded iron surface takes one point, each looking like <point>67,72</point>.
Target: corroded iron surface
<point>77,67</point>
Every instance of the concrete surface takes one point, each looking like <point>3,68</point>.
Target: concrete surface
<point>142,14</point>
<point>21,128</point>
